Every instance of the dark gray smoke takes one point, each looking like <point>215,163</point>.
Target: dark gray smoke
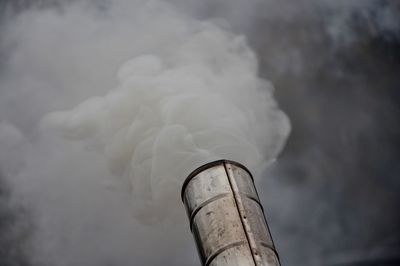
<point>331,198</point>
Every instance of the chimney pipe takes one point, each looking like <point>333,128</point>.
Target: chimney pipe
<point>226,216</point>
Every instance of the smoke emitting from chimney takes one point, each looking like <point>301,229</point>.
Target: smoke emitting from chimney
<point>70,202</point>
<point>161,94</point>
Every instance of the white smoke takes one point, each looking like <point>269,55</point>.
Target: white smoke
<point>186,92</point>
<point>201,102</point>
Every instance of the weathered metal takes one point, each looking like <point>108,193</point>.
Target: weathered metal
<point>226,216</point>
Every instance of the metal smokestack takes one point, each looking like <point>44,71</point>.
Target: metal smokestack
<point>226,216</point>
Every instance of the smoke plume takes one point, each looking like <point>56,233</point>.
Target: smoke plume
<point>161,94</point>
<point>106,106</point>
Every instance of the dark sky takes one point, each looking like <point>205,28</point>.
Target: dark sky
<point>341,161</point>
<point>333,196</point>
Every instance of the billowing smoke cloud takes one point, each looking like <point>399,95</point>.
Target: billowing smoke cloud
<point>117,78</point>
<point>186,92</point>
<point>199,101</point>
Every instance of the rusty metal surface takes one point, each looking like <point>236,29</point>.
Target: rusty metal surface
<point>226,217</point>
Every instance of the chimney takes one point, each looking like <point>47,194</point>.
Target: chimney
<point>226,216</point>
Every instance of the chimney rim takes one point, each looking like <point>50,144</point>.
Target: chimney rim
<point>209,165</point>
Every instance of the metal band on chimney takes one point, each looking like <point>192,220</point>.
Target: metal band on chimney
<point>226,216</point>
